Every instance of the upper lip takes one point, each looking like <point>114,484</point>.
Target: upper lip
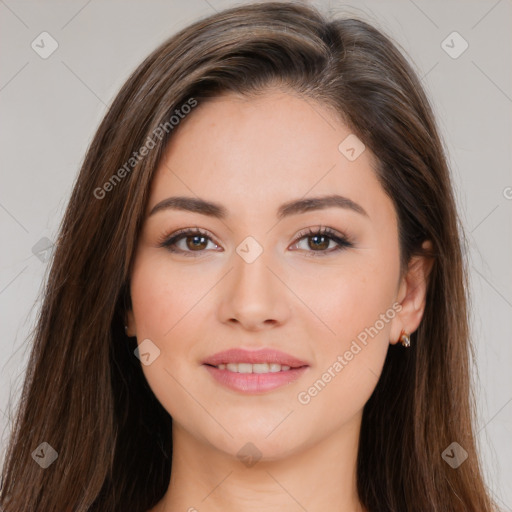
<point>266,355</point>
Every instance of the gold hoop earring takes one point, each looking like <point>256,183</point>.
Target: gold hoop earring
<point>405,338</point>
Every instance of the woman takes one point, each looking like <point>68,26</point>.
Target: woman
<point>259,283</point>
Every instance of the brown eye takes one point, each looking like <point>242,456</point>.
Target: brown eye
<point>319,240</point>
<point>195,242</point>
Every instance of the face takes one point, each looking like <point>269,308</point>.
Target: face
<point>252,280</point>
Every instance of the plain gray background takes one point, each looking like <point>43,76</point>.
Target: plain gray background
<point>50,109</point>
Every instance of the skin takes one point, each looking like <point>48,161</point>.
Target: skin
<point>251,155</point>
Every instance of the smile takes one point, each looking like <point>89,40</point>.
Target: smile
<point>253,368</point>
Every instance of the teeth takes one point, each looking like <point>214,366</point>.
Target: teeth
<point>260,368</point>
<point>253,368</point>
<point>245,368</point>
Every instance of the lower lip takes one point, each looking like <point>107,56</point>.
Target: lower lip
<point>255,382</point>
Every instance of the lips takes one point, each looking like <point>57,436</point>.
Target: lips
<point>254,357</point>
<point>256,371</point>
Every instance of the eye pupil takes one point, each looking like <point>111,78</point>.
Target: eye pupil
<point>323,245</point>
<point>195,238</point>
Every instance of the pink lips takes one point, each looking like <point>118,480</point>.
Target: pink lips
<point>238,355</point>
<point>254,382</point>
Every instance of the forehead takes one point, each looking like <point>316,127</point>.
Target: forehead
<point>255,151</point>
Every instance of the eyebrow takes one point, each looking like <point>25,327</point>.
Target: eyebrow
<point>216,210</point>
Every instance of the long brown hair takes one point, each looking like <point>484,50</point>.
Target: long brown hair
<point>85,394</point>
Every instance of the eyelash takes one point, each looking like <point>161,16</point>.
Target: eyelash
<point>342,241</point>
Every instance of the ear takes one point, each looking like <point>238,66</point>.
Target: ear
<point>412,293</point>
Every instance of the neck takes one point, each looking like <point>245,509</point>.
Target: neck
<point>316,477</point>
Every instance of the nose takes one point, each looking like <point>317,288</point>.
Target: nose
<point>255,295</point>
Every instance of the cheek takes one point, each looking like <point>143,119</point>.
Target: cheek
<point>163,296</point>
<point>363,296</point>
<point>160,302</point>
<point>164,302</point>
<point>356,304</point>
<point>348,300</point>
<point>350,361</point>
